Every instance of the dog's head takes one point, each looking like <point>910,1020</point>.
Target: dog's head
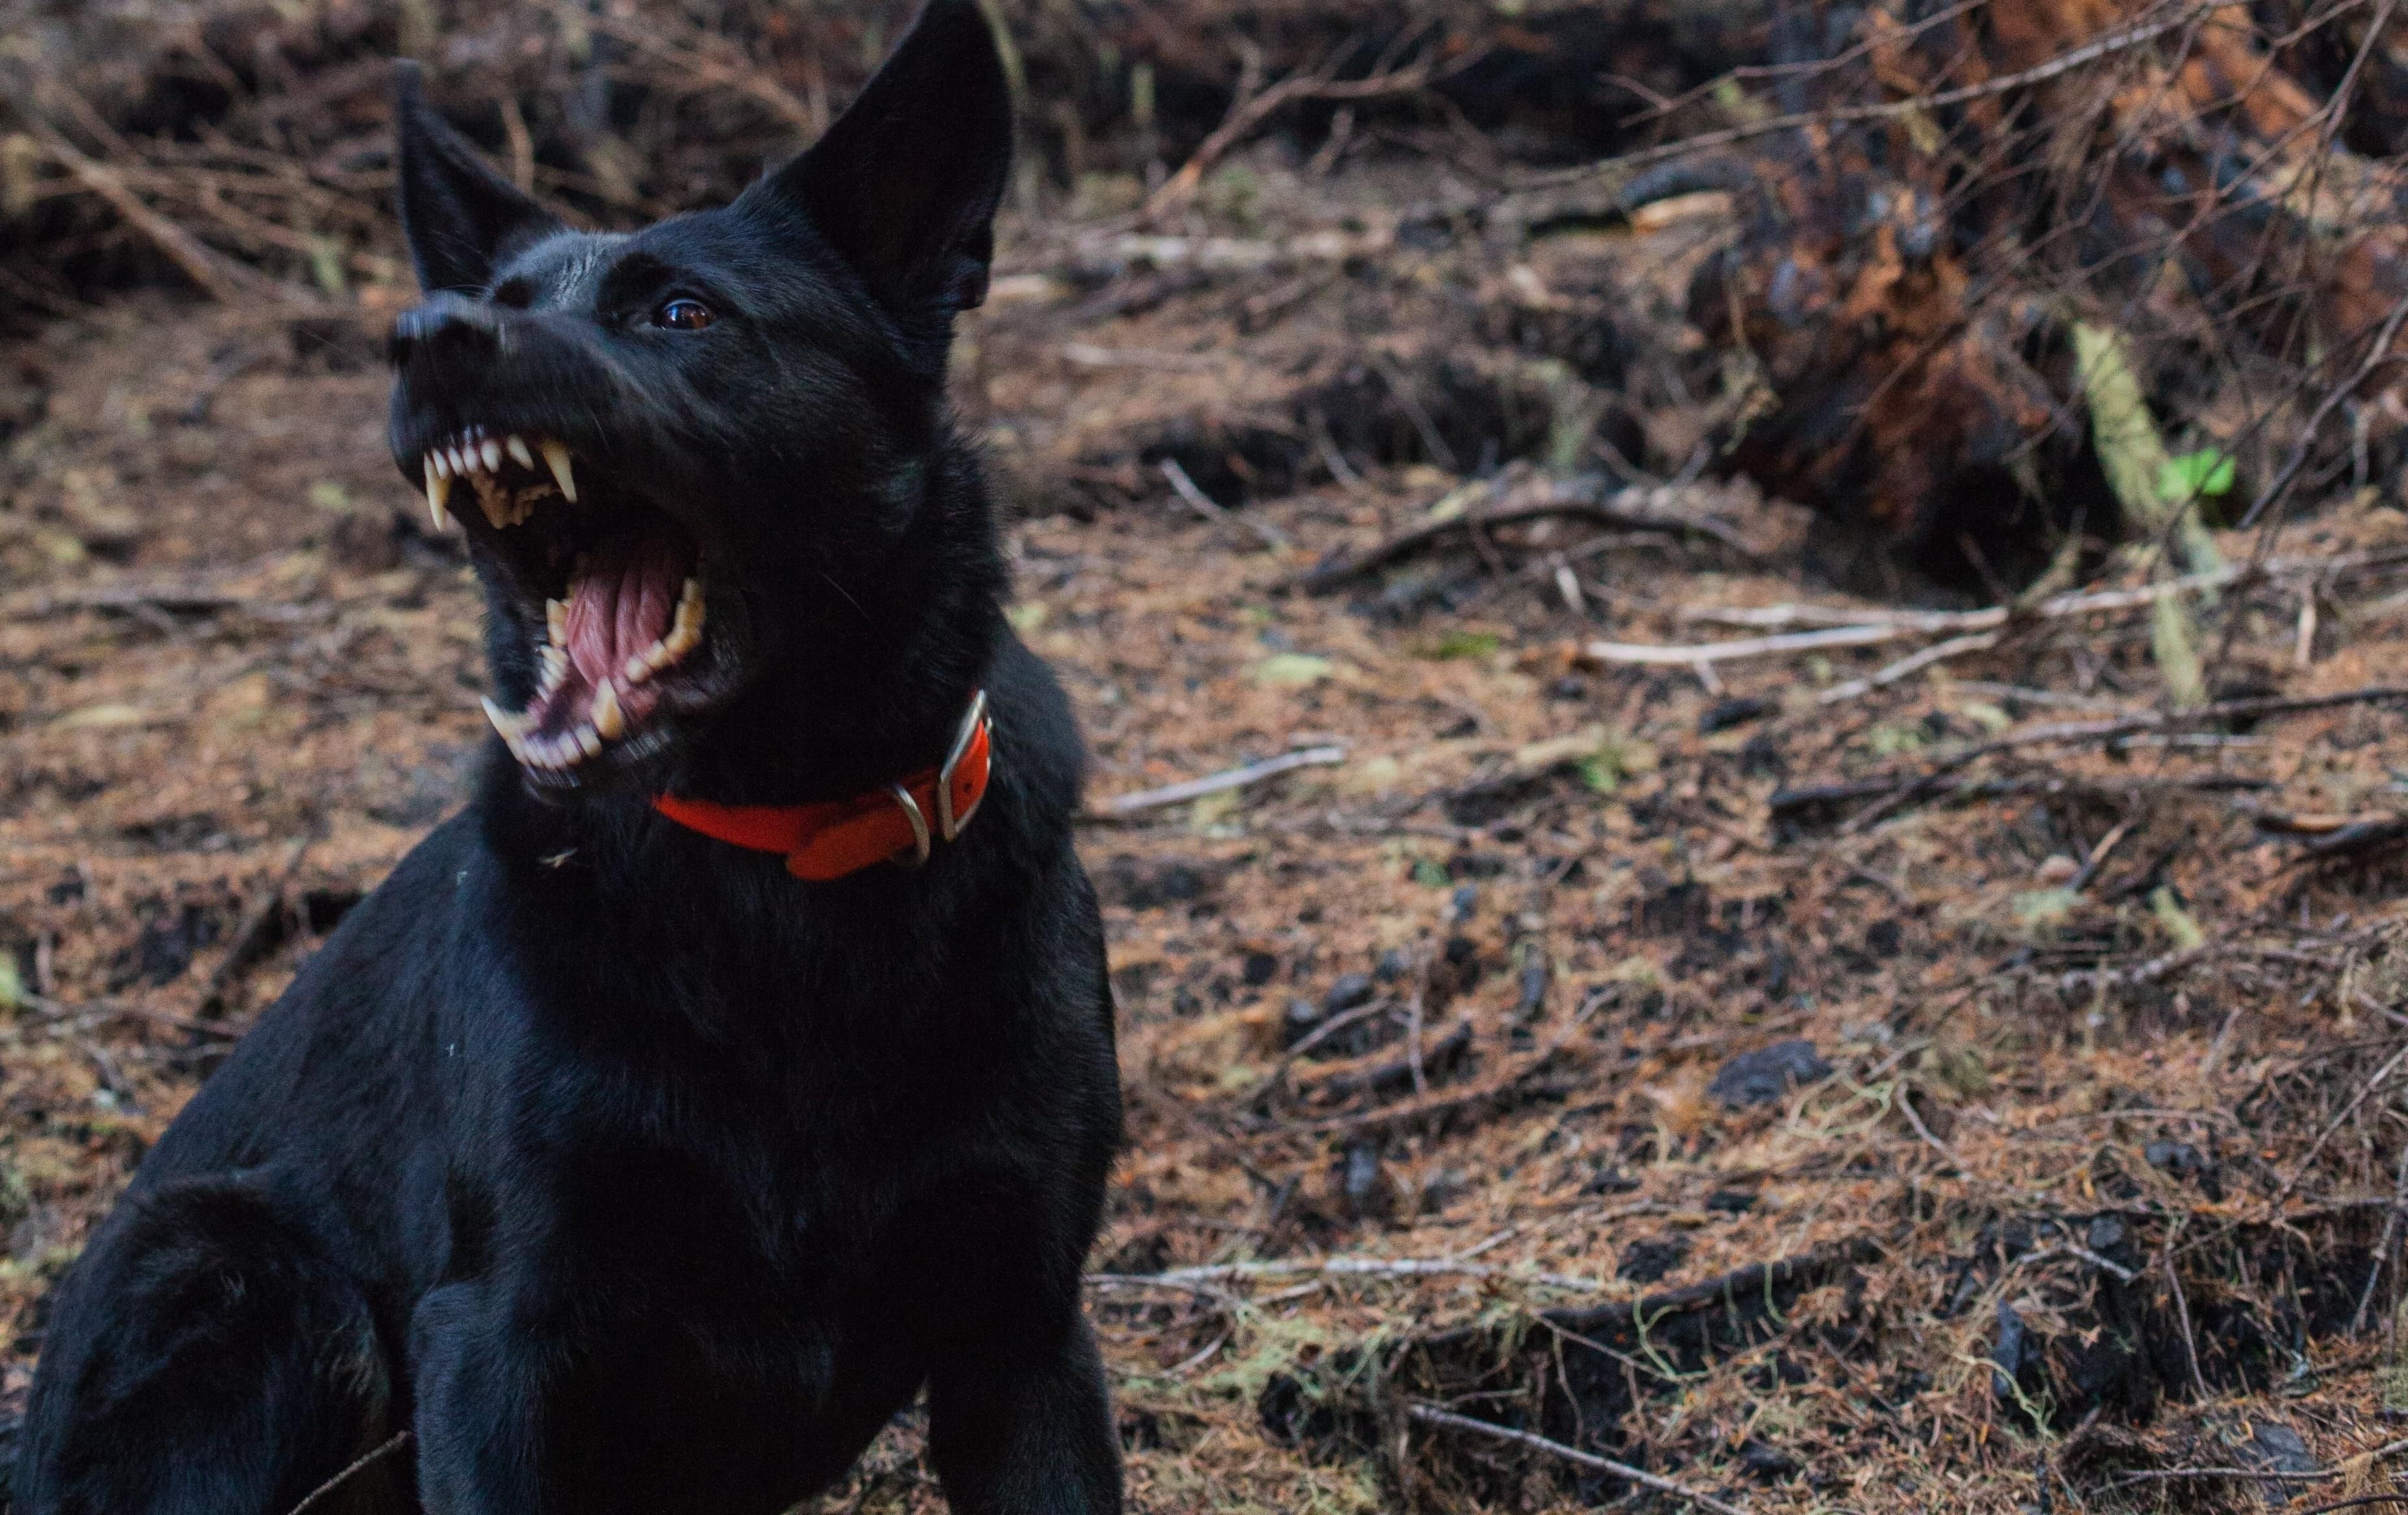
<point>688,458</point>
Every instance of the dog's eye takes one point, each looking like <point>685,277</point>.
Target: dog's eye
<point>683,314</point>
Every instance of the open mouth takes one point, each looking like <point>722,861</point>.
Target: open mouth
<point>611,583</point>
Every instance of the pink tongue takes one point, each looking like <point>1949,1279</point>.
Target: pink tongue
<point>622,606</point>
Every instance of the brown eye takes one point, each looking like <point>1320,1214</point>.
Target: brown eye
<point>683,314</point>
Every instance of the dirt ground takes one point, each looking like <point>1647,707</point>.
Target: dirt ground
<point>1970,1093</point>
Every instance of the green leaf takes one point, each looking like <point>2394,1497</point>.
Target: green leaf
<point>12,985</point>
<point>2044,906</point>
<point>2186,933</point>
<point>1460,644</point>
<point>2205,474</point>
<point>1429,873</point>
<point>1602,772</point>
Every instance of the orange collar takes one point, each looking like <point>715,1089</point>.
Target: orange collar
<point>831,838</point>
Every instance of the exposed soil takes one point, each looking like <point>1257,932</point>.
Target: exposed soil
<point>1793,1097</point>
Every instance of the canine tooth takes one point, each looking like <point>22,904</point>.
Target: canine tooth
<point>641,664</point>
<point>438,489</point>
<point>555,621</point>
<point>555,457</point>
<point>519,453</point>
<point>685,633</point>
<point>610,722</point>
<point>492,452</point>
<point>510,726</point>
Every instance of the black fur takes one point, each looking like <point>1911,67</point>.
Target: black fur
<point>628,1172</point>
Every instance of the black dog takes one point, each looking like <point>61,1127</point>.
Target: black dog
<point>630,1164</point>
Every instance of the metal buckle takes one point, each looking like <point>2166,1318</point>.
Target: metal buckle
<point>949,826</point>
<point>919,825</point>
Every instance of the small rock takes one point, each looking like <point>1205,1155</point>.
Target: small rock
<point>1766,1075</point>
<point>2275,1448</point>
<point>1301,1017</point>
<point>2019,1359</point>
<point>1767,1462</point>
<point>1393,965</point>
<point>1730,1202</point>
<point>2107,1236</point>
<point>1366,1183</point>
<point>2056,870</point>
<point>1466,902</point>
<point>1258,970</point>
<point>1352,989</point>
<point>2184,1160</point>
<point>1647,1261</point>
<point>1568,688</point>
<point>1737,711</point>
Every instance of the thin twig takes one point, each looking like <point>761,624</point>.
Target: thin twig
<point>1888,110</point>
<point>1214,511</point>
<point>1346,1268</point>
<point>394,1444</point>
<point>2383,1248</point>
<point>2181,1319</point>
<point>1432,1415</point>
<point>1913,662</point>
<point>1582,499</point>
<point>1238,778</point>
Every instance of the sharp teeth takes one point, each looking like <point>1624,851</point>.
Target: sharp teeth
<point>439,465</point>
<point>438,489</point>
<point>555,668</point>
<point>519,453</point>
<point>608,721</point>
<point>641,664</point>
<point>589,742</point>
<point>555,457</point>
<point>555,622</point>
<point>492,453</point>
<point>685,633</point>
<point>511,726</point>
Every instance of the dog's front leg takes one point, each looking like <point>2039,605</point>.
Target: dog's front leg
<point>1026,1432</point>
<point>480,1397</point>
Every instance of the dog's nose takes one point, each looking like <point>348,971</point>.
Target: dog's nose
<point>444,327</point>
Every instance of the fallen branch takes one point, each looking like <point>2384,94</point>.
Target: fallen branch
<point>221,281</point>
<point>1579,499</point>
<point>1345,1268</point>
<point>1432,1415</point>
<point>1214,511</point>
<point>1911,664</point>
<point>1842,627</point>
<point>1255,107</point>
<point>1213,783</point>
<point>1929,781</point>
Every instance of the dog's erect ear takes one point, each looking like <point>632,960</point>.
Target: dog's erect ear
<point>906,183</point>
<point>459,215</point>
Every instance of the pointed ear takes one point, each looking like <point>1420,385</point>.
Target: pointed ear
<point>459,216</point>
<point>906,183</point>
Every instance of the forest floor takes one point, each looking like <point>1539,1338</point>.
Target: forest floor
<point>1966,1093</point>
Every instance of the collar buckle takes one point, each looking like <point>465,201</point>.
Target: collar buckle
<point>949,826</point>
